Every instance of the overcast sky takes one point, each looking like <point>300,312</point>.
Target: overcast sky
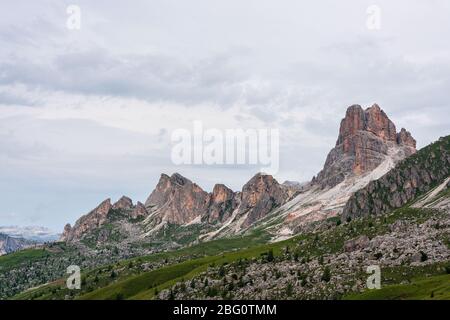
<point>87,114</point>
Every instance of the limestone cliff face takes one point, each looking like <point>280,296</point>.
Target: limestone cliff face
<point>259,196</point>
<point>408,180</point>
<point>365,139</point>
<point>178,200</point>
<point>139,211</point>
<point>88,222</point>
<point>222,203</point>
<point>100,215</point>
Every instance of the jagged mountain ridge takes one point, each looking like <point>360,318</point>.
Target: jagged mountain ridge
<point>178,201</point>
<point>368,146</point>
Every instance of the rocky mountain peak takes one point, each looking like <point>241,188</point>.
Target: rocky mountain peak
<point>221,193</point>
<point>259,196</point>
<point>181,199</point>
<point>372,120</point>
<point>103,208</point>
<point>366,138</point>
<point>88,222</point>
<point>404,138</point>
<point>179,179</point>
<point>123,203</point>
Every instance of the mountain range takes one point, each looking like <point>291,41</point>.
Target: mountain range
<point>367,147</point>
<point>10,244</point>
<point>34,233</point>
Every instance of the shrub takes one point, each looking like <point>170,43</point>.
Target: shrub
<point>326,276</point>
<point>289,290</point>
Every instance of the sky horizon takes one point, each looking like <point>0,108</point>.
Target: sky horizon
<point>87,114</point>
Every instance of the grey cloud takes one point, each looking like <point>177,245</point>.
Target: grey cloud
<point>148,77</point>
<point>11,98</point>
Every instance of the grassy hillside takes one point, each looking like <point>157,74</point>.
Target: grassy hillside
<point>143,286</point>
<point>14,259</point>
<point>129,268</point>
<point>432,288</point>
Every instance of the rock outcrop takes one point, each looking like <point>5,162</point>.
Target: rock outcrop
<point>139,211</point>
<point>123,203</point>
<point>365,139</point>
<point>222,203</point>
<point>404,138</point>
<point>408,180</point>
<point>88,222</point>
<point>259,196</point>
<point>177,200</point>
<point>356,244</point>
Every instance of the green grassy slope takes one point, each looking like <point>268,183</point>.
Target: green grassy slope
<point>100,276</point>
<point>143,286</point>
<point>434,288</point>
<point>24,256</point>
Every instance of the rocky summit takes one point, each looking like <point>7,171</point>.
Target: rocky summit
<point>177,199</point>
<point>260,196</point>
<point>366,138</point>
<point>368,146</point>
